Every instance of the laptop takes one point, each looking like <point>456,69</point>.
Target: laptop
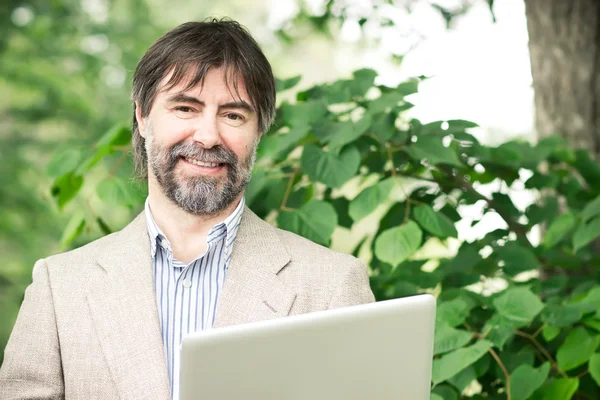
<point>377,351</point>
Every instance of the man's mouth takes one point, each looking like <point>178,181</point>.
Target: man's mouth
<point>202,163</point>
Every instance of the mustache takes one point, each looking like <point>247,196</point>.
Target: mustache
<point>217,154</point>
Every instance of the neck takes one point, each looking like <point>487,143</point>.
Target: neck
<point>186,232</point>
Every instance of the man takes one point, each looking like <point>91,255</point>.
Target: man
<point>105,321</point>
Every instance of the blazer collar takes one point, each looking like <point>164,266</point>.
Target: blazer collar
<point>125,314</point>
<point>253,290</point>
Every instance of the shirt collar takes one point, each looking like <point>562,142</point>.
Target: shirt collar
<point>230,225</point>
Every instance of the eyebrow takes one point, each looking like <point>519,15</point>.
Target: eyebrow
<point>183,98</point>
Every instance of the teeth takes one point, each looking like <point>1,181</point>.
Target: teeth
<point>202,163</point>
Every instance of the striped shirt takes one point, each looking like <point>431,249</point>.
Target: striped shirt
<point>187,295</point>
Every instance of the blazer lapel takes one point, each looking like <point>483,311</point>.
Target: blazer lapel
<point>253,291</point>
<point>125,315</point>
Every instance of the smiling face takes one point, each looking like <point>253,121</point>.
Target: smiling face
<point>201,143</point>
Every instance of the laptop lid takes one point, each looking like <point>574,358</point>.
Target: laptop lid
<point>378,351</point>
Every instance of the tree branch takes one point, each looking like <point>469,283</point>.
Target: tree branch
<point>114,170</point>
<point>542,350</point>
<point>288,190</point>
<point>513,225</point>
<point>584,373</point>
<point>504,371</point>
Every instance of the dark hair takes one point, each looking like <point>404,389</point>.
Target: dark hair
<point>199,46</point>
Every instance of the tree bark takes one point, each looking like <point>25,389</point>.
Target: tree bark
<point>564,46</point>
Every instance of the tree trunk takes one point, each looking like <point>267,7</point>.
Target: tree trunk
<point>564,46</point>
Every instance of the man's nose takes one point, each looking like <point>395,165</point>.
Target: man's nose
<point>207,132</point>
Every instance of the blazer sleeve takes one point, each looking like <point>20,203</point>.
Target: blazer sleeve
<point>352,286</point>
<point>32,365</point>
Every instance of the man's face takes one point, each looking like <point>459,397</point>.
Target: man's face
<point>201,143</point>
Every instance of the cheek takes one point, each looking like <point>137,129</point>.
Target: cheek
<point>240,141</point>
<point>241,145</point>
<point>168,130</point>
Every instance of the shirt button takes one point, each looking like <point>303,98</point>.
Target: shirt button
<point>187,283</point>
<point>164,243</point>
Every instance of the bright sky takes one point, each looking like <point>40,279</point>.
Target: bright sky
<point>480,70</point>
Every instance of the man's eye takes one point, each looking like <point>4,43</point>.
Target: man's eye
<point>184,109</point>
<point>235,117</point>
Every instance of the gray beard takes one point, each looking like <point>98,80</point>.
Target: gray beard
<point>199,195</point>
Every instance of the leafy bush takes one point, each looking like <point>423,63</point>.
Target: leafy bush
<point>345,153</point>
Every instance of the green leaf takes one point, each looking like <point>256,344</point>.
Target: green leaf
<point>328,168</point>
<point>461,380</point>
<point>517,258</point>
<point>558,229</point>
<point>434,222</point>
<point>499,330</point>
<point>285,84</point>
<point>518,305</point>
<point>594,367</point>
<point>592,323</point>
<point>119,135</point>
<point>585,233</point>
<point>549,145</point>
<point>115,191</point>
<point>65,188</point>
<point>466,258</point>
<point>538,213</point>
<point>397,244</point>
<point>394,217</point>
<point>348,132</point>
<point>434,396</point>
<point>459,125</point>
<point>278,145</point>
<point>541,181</point>
<point>446,392</point>
<point>453,312</point>
<point>525,380</point>
<point>341,205</point>
<point>407,88</point>
<point>337,92</point>
<point>591,210</point>
<point>592,299</point>
<point>577,349</point>
<point>506,155</point>
<point>550,332</point>
<point>301,196</point>
<point>384,126</point>
<point>504,204</point>
<point>73,229</point>
<point>448,339</point>
<point>106,230</point>
<point>561,315</point>
<point>513,359</point>
<point>452,363</point>
<point>433,150</point>
<point>587,167</point>
<point>362,82</point>
<point>385,102</point>
<point>256,185</point>
<point>315,220</point>
<point>64,162</point>
<point>370,198</point>
<point>303,113</point>
<point>561,389</point>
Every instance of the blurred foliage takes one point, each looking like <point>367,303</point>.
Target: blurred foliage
<point>342,154</point>
<point>326,17</point>
<point>344,150</point>
<point>64,80</point>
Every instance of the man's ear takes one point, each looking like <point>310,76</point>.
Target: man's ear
<point>140,120</point>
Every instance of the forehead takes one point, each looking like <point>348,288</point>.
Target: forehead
<point>216,81</point>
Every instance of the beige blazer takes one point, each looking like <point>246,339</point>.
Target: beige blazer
<point>89,329</point>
